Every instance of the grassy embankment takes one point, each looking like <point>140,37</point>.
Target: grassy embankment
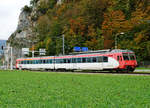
<point>65,90</point>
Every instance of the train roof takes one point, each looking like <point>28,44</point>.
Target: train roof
<point>103,51</point>
<point>107,51</point>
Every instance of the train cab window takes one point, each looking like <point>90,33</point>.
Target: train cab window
<point>89,60</point>
<point>78,60</point>
<point>94,59</point>
<point>132,57</point>
<point>83,60</point>
<point>118,57</point>
<point>100,59</point>
<point>105,59</point>
<point>125,57</point>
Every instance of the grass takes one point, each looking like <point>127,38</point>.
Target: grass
<point>23,89</point>
<point>143,68</point>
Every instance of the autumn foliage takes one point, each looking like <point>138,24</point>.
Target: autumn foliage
<point>95,24</point>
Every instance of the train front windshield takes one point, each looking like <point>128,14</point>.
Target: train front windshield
<point>128,56</point>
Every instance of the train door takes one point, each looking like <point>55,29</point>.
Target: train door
<point>100,62</point>
<point>74,63</point>
<point>120,60</point>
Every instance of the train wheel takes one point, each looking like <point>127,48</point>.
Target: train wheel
<point>129,69</point>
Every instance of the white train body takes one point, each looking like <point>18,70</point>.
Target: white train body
<point>71,62</point>
<point>100,60</point>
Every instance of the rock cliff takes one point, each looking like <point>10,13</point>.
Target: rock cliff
<point>24,32</point>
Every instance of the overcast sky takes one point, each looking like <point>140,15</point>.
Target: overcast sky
<point>9,14</point>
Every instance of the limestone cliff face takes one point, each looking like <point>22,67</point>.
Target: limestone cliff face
<point>23,32</point>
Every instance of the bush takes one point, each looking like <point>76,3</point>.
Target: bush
<point>27,9</point>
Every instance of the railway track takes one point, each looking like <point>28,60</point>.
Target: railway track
<point>121,73</point>
<point>103,72</point>
<point>114,73</point>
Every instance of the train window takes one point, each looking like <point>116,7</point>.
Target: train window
<point>118,57</point>
<point>32,62</point>
<point>125,57</point>
<point>44,61</point>
<point>132,57</point>
<point>105,59</point>
<point>94,59</point>
<point>40,61</point>
<point>78,60</point>
<point>61,61</point>
<point>36,61</point>
<point>100,59</point>
<point>50,61</point>
<point>57,60</point>
<point>83,60</point>
<point>74,60</point>
<point>89,60</point>
<point>68,60</point>
<point>65,61</point>
<point>27,62</point>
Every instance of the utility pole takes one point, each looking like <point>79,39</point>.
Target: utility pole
<point>9,52</point>
<point>63,44</point>
<point>116,42</point>
<point>11,61</point>
<point>32,53</point>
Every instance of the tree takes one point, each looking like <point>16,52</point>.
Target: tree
<point>114,23</point>
<point>43,27</point>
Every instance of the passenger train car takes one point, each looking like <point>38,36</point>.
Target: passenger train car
<point>118,60</point>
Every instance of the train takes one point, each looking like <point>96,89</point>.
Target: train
<point>100,60</point>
